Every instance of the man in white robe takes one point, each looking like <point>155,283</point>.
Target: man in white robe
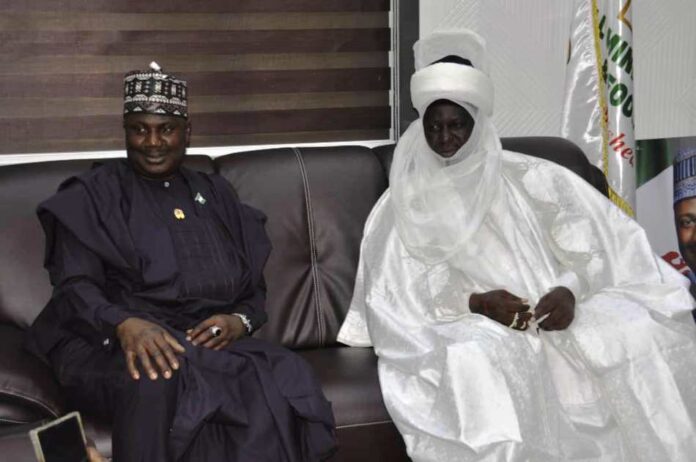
<point>517,314</point>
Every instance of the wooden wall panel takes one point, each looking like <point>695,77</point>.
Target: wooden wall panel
<point>259,71</point>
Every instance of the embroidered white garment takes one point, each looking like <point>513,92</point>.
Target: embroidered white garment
<point>618,385</point>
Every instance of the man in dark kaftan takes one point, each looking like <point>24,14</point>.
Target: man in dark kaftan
<point>158,286</point>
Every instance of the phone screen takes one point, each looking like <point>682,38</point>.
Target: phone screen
<point>62,442</point>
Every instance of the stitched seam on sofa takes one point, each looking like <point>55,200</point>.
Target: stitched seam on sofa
<point>31,399</point>
<point>6,421</point>
<point>366,424</point>
<point>312,245</point>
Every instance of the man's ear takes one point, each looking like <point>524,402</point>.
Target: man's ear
<point>188,133</point>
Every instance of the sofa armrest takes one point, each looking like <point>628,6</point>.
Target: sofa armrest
<point>28,389</point>
<point>15,443</point>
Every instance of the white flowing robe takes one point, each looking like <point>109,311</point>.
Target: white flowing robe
<point>618,385</point>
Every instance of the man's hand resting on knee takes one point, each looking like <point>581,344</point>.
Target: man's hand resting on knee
<point>151,345</point>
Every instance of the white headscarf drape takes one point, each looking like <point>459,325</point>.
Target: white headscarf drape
<point>440,203</point>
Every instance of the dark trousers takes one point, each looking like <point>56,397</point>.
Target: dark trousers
<point>251,402</point>
<point>141,411</point>
<point>142,419</point>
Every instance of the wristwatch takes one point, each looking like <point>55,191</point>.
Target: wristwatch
<point>245,321</point>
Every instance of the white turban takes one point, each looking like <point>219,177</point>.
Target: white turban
<point>455,82</point>
<point>463,43</point>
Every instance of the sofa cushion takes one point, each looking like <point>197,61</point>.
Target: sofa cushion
<point>374,442</point>
<point>316,201</point>
<point>349,379</point>
<point>562,152</point>
<point>28,390</point>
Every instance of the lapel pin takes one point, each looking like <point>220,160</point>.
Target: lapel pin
<point>179,214</point>
<point>200,199</point>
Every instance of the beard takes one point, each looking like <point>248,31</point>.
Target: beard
<point>688,252</point>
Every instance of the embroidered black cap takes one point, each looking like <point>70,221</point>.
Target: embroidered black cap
<point>154,92</point>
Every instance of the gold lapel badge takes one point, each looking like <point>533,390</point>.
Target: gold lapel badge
<point>179,214</point>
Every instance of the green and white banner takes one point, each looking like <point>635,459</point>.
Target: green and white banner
<point>598,108</point>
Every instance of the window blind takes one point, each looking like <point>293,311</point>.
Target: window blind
<point>259,71</point>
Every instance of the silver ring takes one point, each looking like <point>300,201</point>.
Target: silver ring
<point>516,318</point>
<point>216,331</point>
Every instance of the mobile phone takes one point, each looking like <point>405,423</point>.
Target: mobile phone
<point>62,440</point>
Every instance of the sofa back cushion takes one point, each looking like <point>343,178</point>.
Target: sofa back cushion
<point>24,284</point>
<point>316,201</point>
<point>561,151</point>
<point>556,149</point>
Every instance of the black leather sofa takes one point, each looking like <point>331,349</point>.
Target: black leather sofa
<point>316,200</point>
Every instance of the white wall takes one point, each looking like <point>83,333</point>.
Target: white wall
<point>664,46</point>
<point>527,41</point>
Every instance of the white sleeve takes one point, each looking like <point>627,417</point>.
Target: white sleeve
<point>354,331</point>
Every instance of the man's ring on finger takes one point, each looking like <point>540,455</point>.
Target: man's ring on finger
<point>216,331</point>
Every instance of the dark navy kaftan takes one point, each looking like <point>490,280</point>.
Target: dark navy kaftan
<point>174,252</point>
